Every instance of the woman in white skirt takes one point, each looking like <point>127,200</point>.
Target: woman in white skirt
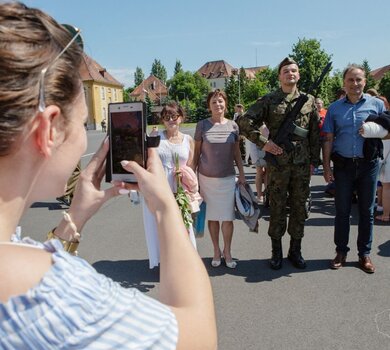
<point>216,150</point>
<point>172,142</point>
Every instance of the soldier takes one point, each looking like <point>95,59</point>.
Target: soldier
<point>290,177</point>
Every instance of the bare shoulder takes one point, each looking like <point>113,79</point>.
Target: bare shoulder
<point>21,268</point>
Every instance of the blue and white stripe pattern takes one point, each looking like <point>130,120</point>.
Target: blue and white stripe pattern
<point>74,307</point>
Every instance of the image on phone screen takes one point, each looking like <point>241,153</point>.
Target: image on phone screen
<point>126,139</point>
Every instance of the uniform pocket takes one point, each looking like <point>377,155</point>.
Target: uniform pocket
<point>301,153</point>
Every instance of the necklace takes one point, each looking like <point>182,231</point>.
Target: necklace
<point>175,138</point>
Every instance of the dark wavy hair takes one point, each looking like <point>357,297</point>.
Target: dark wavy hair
<point>173,108</point>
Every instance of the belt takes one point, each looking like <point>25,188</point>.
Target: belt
<point>356,159</point>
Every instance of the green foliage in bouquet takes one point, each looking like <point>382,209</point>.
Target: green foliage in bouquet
<point>182,198</point>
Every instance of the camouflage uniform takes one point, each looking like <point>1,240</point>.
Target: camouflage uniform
<point>70,186</point>
<point>292,174</point>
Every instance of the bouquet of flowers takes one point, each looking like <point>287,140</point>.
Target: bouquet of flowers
<point>181,196</point>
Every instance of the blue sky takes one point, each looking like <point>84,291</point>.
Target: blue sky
<point>243,33</point>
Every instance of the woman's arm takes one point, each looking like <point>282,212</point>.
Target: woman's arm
<point>238,160</point>
<point>192,149</point>
<point>185,285</point>
<point>195,160</point>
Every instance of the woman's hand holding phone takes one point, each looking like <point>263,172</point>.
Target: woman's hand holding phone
<point>88,196</point>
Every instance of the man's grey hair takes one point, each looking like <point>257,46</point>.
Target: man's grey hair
<point>353,66</point>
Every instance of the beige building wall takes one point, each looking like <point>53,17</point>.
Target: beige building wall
<point>98,96</point>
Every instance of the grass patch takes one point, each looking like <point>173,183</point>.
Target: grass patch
<point>182,125</point>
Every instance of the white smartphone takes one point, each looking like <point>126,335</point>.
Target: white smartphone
<point>127,134</point>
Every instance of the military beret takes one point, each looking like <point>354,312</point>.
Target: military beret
<point>287,61</point>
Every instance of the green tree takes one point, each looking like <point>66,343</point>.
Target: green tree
<point>270,77</point>
<point>384,86</point>
<point>138,76</point>
<point>187,86</point>
<point>243,81</point>
<point>126,94</point>
<point>255,89</point>
<point>264,82</point>
<point>149,106</point>
<point>159,71</point>
<point>190,89</point>
<point>370,81</point>
<point>235,87</point>
<point>335,83</point>
<point>178,67</point>
<point>311,60</point>
<point>231,90</point>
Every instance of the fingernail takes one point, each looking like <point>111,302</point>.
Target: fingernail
<point>124,162</point>
<point>124,191</point>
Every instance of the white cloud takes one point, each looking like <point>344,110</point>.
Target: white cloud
<point>123,75</point>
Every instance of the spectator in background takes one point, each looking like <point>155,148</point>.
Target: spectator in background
<point>245,152</point>
<point>257,155</point>
<point>340,93</point>
<point>321,113</point>
<point>103,124</point>
<point>385,101</point>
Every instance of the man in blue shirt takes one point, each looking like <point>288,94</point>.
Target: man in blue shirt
<point>344,145</point>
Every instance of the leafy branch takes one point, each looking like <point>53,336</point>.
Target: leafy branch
<point>182,198</point>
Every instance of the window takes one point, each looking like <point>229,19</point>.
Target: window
<point>115,95</point>
<point>103,113</point>
<point>102,93</point>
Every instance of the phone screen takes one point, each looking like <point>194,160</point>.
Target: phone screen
<point>126,139</point>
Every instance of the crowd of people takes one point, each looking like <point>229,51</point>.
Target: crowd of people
<point>42,116</point>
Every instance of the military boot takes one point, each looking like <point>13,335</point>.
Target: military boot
<point>294,254</point>
<point>277,254</point>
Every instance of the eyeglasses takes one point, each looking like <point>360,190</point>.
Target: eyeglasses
<point>76,35</point>
<point>168,117</point>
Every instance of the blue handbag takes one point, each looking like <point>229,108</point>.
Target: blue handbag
<point>200,220</point>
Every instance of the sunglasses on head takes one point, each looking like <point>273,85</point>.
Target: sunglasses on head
<point>75,32</point>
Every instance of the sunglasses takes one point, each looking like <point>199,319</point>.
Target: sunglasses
<point>167,117</point>
<point>75,32</point>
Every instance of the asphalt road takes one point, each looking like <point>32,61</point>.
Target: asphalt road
<point>257,308</point>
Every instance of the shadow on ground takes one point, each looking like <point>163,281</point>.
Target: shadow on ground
<point>258,270</point>
<point>130,273</point>
<point>49,205</point>
<point>384,249</point>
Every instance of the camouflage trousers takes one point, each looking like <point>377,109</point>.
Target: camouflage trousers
<point>288,186</point>
<point>72,182</point>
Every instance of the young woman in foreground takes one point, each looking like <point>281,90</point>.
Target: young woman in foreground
<point>50,299</point>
